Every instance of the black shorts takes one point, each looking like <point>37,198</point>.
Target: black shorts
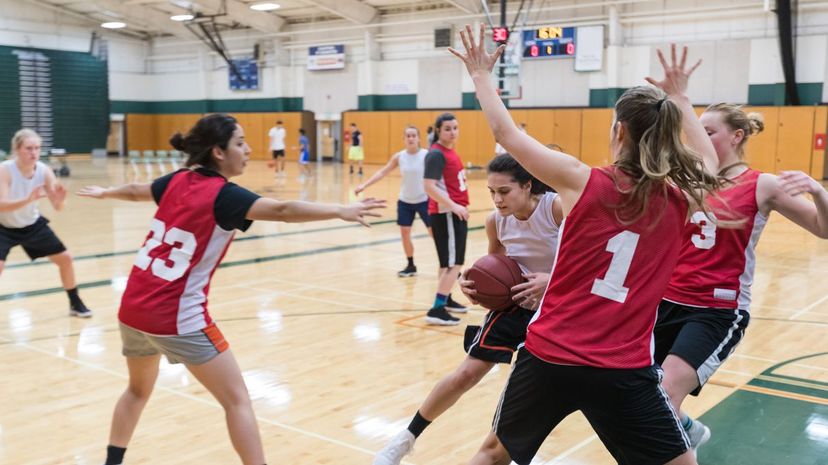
<point>449,233</point>
<point>37,239</point>
<point>702,337</point>
<point>278,153</point>
<point>500,335</point>
<point>628,410</point>
<point>406,213</point>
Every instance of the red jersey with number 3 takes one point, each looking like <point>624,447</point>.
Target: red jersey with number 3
<point>715,267</point>
<point>166,293</point>
<point>608,279</point>
<point>453,181</point>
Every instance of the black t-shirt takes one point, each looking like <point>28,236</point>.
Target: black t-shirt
<point>231,206</point>
<point>435,163</point>
<point>355,138</point>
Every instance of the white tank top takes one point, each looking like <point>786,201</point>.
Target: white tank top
<point>412,168</point>
<point>21,188</point>
<point>531,243</point>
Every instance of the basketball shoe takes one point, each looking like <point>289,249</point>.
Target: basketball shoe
<point>401,445</point>
<point>410,270</point>
<point>455,307</point>
<point>440,316</point>
<point>698,434</point>
<point>79,310</point>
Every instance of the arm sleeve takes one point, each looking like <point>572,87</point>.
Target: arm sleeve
<point>435,162</point>
<point>231,207</point>
<point>160,185</point>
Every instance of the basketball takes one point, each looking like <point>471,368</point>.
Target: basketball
<point>494,276</point>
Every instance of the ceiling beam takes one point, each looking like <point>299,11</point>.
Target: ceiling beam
<point>241,13</point>
<point>469,6</point>
<point>352,10</point>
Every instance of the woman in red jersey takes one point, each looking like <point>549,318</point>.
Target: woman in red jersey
<point>164,307</point>
<point>706,307</point>
<point>590,348</point>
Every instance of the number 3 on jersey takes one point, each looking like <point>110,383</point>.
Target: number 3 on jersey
<point>622,246</point>
<point>183,246</point>
<point>707,223</point>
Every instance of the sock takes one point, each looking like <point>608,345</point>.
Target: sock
<point>115,455</point>
<point>686,422</point>
<point>410,261</point>
<point>74,298</point>
<point>418,424</point>
<point>440,300</point>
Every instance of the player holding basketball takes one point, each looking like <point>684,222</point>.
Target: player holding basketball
<point>413,199</point>
<point>445,184</point>
<point>706,308</point>
<point>590,347</point>
<point>525,228</point>
<point>23,181</point>
<point>164,307</point>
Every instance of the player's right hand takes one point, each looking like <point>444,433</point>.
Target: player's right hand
<point>359,188</point>
<point>467,287</point>
<point>461,212</point>
<point>96,192</point>
<point>37,194</point>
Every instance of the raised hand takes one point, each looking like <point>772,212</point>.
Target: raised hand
<point>95,192</point>
<point>37,194</point>
<point>797,182</point>
<point>676,75</point>
<point>57,193</point>
<point>476,59</point>
<point>357,211</point>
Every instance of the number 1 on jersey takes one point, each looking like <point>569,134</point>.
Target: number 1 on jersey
<point>622,246</point>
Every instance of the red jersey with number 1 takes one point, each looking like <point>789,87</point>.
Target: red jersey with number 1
<point>166,293</point>
<point>715,268</point>
<point>608,279</point>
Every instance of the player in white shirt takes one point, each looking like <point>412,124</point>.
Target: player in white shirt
<point>277,147</point>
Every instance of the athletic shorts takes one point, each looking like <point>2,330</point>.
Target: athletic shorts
<point>499,336</point>
<point>278,153</point>
<point>304,157</point>
<point>628,410</point>
<point>356,153</point>
<point>190,349</point>
<point>449,233</point>
<point>37,239</point>
<point>702,337</point>
<point>407,211</point>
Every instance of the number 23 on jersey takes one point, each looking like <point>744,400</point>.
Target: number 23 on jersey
<point>174,266</point>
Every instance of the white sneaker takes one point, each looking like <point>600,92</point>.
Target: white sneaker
<point>698,434</point>
<point>400,445</point>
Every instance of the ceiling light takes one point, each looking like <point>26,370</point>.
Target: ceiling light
<point>264,6</point>
<point>113,25</point>
<point>184,17</point>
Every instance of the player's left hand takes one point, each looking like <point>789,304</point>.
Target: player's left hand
<point>528,294</point>
<point>95,192</point>
<point>476,58</point>
<point>797,182</point>
<point>358,211</point>
<point>57,192</point>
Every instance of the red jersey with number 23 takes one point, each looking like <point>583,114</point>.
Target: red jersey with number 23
<point>453,181</point>
<point>166,293</point>
<point>608,279</point>
<point>715,268</point>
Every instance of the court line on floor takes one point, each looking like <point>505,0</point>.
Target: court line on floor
<point>40,262</point>
<point>571,450</point>
<point>808,308</point>
<point>211,403</point>
<point>242,262</point>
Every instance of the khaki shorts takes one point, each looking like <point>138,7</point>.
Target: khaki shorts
<point>356,153</point>
<point>190,349</point>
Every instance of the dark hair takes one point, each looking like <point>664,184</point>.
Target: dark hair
<point>353,124</point>
<point>278,121</point>
<point>654,155</point>
<point>506,164</point>
<point>430,130</point>
<point>442,119</point>
<point>210,131</point>
<point>301,131</point>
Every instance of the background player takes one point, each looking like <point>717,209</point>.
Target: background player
<point>23,181</point>
<point>277,147</point>
<point>524,226</point>
<point>164,307</point>
<point>413,199</point>
<point>356,152</point>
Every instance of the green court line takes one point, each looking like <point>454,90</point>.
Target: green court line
<point>337,248</point>
<point>254,237</point>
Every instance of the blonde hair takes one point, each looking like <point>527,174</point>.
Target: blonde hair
<point>20,136</point>
<point>654,155</point>
<point>736,118</point>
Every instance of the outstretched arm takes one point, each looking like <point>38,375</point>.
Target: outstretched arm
<point>674,84</point>
<point>565,173</point>
<point>392,163</point>
<point>295,211</point>
<point>134,192</point>
<point>782,193</point>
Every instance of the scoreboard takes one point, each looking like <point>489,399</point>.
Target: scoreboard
<point>549,42</point>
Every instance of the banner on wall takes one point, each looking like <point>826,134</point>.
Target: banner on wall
<point>326,57</point>
<point>589,54</point>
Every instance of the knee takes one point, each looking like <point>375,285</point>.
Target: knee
<point>465,378</point>
<point>494,452</point>
<point>63,258</point>
<point>140,390</point>
<point>235,399</point>
<point>2,265</point>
